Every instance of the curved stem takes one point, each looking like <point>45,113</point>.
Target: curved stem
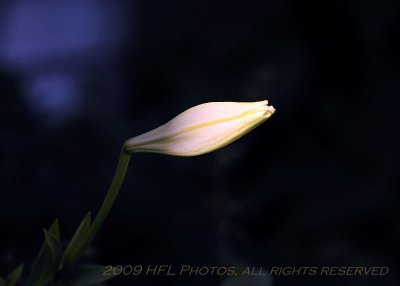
<point>112,193</point>
<point>108,200</point>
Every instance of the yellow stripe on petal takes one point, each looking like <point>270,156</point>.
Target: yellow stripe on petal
<point>203,128</point>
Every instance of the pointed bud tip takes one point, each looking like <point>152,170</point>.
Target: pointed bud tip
<point>269,109</point>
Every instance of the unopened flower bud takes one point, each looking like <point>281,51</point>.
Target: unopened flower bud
<point>202,129</point>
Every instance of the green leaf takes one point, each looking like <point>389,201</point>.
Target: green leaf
<point>48,260</point>
<point>72,253</point>
<point>88,275</point>
<point>55,229</point>
<point>14,276</point>
<point>55,248</point>
<point>2,282</point>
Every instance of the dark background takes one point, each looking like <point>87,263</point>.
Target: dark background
<point>316,185</point>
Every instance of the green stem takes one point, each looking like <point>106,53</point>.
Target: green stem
<point>111,195</point>
<point>108,200</point>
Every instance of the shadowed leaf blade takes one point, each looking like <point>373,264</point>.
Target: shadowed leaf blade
<point>73,248</point>
<point>14,276</point>
<point>48,260</point>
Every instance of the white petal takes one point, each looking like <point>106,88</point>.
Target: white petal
<point>202,128</point>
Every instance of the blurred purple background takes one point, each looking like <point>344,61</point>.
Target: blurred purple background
<point>55,47</point>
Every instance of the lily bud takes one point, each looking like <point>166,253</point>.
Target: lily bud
<point>202,129</point>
